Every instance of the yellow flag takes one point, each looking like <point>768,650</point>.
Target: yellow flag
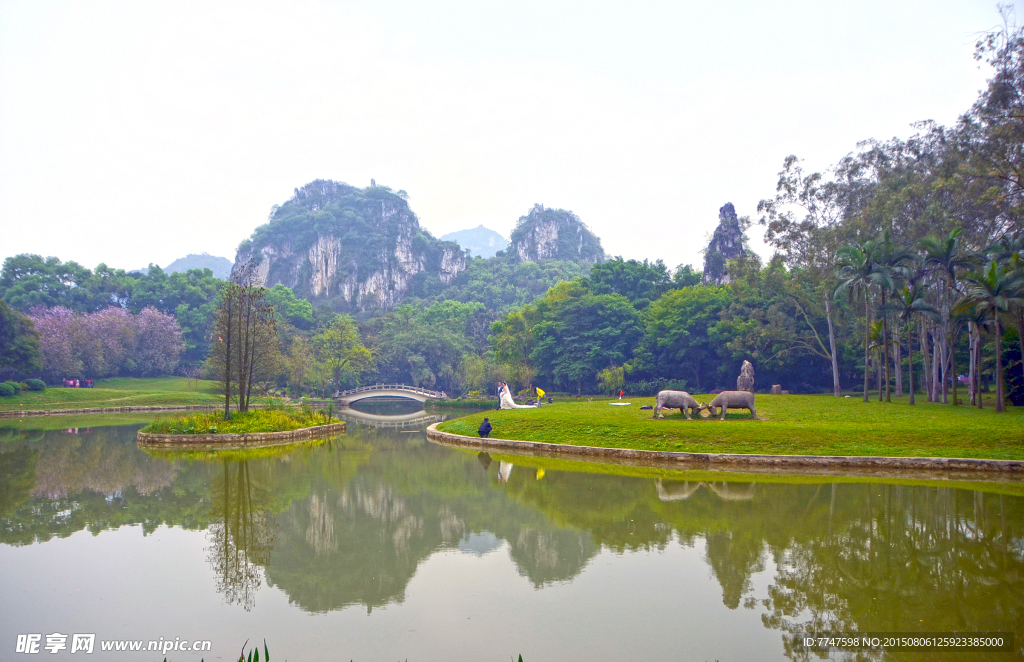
<point>540,393</point>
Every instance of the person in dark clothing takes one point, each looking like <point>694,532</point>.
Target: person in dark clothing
<point>485,428</point>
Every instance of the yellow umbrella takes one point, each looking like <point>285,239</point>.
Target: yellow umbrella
<point>540,392</point>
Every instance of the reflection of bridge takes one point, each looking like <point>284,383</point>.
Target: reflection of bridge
<point>678,491</point>
<point>414,420</point>
<point>389,391</point>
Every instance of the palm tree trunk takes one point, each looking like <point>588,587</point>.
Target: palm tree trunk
<point>878,371</point>
<point>952,368</point>
<point>936,344</point>
<point>836,390</point>
<point>897,359</point>
<point>867,342</point>
<point>910,349</point>
<point>885,352</point>
<point>972,388</point>
<point>944,363</point>
<point>977,362</point>
<point>1000,395</point>
<point>923,339</point>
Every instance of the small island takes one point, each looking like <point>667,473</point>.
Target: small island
<point>250,429</point>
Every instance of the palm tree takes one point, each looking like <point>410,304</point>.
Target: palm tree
<point>947,256</point>
<point>894,260</point>
<point>994,291</point>
<point>1007,252</point>
<point>908,301</point>
<point>859,269</point>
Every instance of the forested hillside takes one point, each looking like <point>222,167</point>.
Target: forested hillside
<point>352,249</point>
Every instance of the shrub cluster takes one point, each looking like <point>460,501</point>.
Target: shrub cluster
<point>8,389</point>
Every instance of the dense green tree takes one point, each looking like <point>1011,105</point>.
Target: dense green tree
<point>582,335</point>
<point>501,284</point>
<point>19,344</point>
<point>423,346</point>
<point>29,280</point>
<point>678,339</point>
<point>640,282</point>
<point>298,312</point>
<point>339,348</point>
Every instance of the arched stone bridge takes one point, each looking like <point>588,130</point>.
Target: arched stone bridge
<point>346,398</point>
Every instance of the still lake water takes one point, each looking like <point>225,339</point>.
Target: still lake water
<point>378,545</point>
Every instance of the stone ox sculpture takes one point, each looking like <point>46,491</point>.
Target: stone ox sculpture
<point>677,400</point>
<point>733,400</point>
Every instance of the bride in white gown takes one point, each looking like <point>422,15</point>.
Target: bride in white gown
<point>505,397</point>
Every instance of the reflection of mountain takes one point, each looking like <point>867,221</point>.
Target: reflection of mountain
<point>360,541</point>
<point>348,522</point>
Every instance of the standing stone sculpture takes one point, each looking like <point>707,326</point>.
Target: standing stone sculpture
<point>776,389</point>
<point>677,399</point>
<point>733,400</point>
<point>745,382</point>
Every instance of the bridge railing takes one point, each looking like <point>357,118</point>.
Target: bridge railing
<point>394,387</point>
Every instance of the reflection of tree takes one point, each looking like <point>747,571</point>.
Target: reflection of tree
<point>894,558</point>
<point>243,536</point>
<point>17,475</point>
<point>104,460</point>
<point>734,556</point>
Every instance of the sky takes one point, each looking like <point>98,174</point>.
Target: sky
<point>138,132</point>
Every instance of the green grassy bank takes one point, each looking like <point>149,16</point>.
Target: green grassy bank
<point>788,425</point>
<point>257,420</point>
<point>119,392</point>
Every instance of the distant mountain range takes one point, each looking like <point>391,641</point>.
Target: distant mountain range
<point>479,241</point>
<point>220,266</point>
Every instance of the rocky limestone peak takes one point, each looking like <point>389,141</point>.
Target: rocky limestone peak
<point>727,243</point>
<point>554,234</point>
<point>354,249</point>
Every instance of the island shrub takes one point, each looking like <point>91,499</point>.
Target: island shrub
<point>35,385</point>
<point>240,423</point>
<point>8,389</point>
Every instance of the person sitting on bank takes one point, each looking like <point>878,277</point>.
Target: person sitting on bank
<point>485,428</point>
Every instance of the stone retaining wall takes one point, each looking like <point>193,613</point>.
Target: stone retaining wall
<point>250,440</point>
<point>19,413</point>
<point>822,464</point>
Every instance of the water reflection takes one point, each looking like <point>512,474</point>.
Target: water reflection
<point>349,521</point>
<point>242,536</point>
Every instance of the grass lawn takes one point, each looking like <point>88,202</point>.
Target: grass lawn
<point>119,392</point>
<point>788,425</point>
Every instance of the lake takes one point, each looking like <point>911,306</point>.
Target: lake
<point>378,545</point>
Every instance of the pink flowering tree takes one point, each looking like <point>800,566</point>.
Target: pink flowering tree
<point>159,345</point>
<point>108,342</point>
<point>58,353</point>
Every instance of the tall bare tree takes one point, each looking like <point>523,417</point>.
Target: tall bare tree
<point>245,349</point>
<point>803,226</point>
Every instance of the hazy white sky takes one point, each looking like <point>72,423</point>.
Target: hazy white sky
<point>138,132</point>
